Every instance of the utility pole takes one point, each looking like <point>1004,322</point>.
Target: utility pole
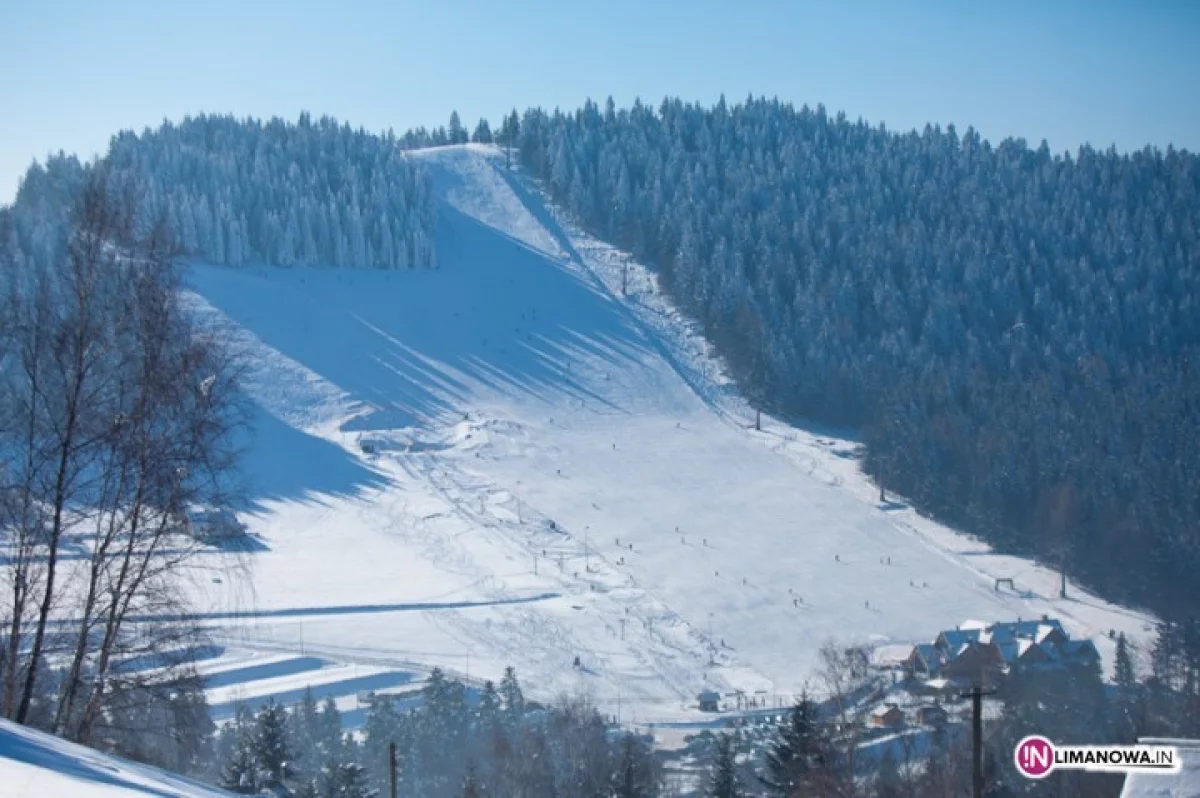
<point>1062,572</point>
<point>587,562</point>
<point>976,695</point>
<point>624,276</point>
<point>392,768</point>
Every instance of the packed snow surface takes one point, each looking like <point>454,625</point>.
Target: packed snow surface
<point>38,765</point>
<point>508,460</point>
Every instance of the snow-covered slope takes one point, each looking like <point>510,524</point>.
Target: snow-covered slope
<point>37,765</point>
<point>560,471</point>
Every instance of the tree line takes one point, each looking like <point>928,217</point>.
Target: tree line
<point>450,741</point>
<point>238,192</point>
<point>1013,332</point>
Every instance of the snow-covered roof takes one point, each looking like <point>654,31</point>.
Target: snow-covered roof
<point>1184,784</point>
<point>957,638</point>
<point>890,656</point>
<point>971,624</point>
<point>1044,631</point>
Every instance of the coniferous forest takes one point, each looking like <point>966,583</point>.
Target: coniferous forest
<point>246,192</point>
<point>1014,333</point>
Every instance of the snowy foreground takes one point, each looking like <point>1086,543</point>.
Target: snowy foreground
<point>505,461</point>
<point>37,765</point>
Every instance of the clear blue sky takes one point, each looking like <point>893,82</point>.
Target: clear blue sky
<point>1069,71</point>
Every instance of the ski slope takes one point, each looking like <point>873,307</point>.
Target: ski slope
<point>38,765</point>
<point>556,470</point>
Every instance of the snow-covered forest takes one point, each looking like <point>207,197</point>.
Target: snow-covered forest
<point>1015,332</point>
<point>239,192</point>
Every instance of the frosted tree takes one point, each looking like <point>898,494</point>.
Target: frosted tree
<point>483,133</point>
<point>455,131</point>
<point>244,191</point>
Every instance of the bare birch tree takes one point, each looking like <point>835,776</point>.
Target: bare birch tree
<point>117,420</point>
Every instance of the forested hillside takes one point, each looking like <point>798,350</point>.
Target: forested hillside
<point>243,191</point>
<point>1015,332</point>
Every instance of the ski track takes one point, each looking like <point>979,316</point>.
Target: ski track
<point>460,521</point>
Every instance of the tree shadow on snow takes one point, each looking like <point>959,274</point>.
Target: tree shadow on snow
<point>283,463</point>
<point>415,346</point>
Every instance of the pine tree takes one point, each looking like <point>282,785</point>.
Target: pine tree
<point>271,751</point>
<point>240,774</point>
<point>511,129</point>
<point>329,726</point>
<point>723,779</point>
<point>483,133</point>
<point>510,692</point>
<point>351,782</point>
<point>456,133</point>
<point>798,750</point>
<point>489,701</point>
<point>1125,676</point>
<point>635,776</point>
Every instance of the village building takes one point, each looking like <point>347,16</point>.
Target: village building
<point>709,700</point>
<point>978,652</point>
<point>932,715</point>
<point>888,716</point>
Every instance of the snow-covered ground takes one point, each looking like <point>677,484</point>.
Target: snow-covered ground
<point>37,765</point>
<point>558,471</point>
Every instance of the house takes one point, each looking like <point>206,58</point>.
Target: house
<point>888,716</point>
<point>1026,653</point>
<point>953,640</point>
<point>974,662</point>
<point>1184,784</point>
<point>932,715</point>
<point>927,660</point>
<point>1079,652</point>
<point>710,701</point>
<point>892,657</point>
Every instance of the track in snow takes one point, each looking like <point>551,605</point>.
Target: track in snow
<point>514,386</point>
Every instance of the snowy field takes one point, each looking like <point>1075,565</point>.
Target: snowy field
<point>34,764</point>
<point>505,461</point>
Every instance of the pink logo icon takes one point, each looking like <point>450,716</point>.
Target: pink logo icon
<point>1034,757</point>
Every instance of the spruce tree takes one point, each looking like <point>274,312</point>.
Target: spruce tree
<point>240,774</point>
<point>510,691</point>
<point>456,132</point>
<point>271,750</point>
<point>351,782</point>
<point>1125,676</point>
<point>723,780</point>
<point>798,749</point>
<point>329,727</point>
<point>483,133</point>
<point>635,776</point>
